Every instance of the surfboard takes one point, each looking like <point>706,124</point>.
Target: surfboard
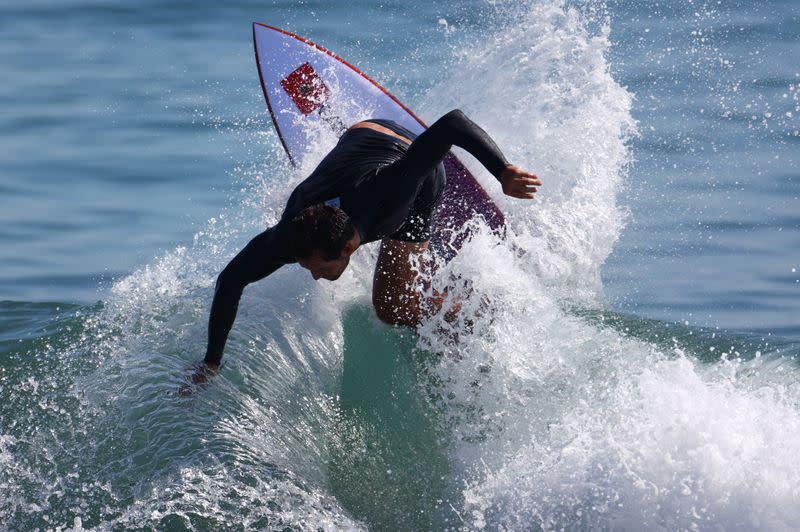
<point>312,92</point>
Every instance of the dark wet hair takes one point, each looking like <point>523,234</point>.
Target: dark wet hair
<point>320,230</point>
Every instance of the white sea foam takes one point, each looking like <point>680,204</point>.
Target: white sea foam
<point>560,423</point>
<point>542,88</point>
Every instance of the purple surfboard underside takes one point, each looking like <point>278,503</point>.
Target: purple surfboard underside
<point>463,198</point>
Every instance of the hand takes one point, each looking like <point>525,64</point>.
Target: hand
<point>202,372</point>
<point>518,183</point>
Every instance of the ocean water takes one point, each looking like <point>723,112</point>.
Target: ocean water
<point>627,358</point>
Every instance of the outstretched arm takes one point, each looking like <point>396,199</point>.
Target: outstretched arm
<point>263,255</point>
<point>454,128</point>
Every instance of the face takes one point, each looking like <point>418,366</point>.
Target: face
<point>325,269</point>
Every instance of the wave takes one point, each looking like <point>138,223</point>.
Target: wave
<point>536,408</point>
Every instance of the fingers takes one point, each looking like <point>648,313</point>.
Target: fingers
<point>519,183</point>
<point>203,372</point>
<point>525,182</point>
<point>528,179</point>
<point>522,188</point>
<point>199,377</point>
<point>200,372</point>
<point>512,172</point>
<point>527,176</point>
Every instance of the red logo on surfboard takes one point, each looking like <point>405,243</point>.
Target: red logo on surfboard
<point>306,88</point>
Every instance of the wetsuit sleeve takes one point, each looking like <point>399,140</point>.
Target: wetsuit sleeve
<point>454,128</point>
<point>262,256</point>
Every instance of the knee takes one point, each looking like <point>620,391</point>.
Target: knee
<point>383,309</point>
<point>394,313</point>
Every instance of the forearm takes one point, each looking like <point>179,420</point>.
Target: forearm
<point>263,255</point>
<point>221,318</point>
<point>455,128</point>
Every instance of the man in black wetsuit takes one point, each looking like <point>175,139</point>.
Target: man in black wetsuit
<point>380,182</point>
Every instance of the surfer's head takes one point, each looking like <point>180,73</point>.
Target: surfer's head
<point>322,239</point>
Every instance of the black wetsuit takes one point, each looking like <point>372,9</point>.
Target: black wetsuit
<point>388,188</point>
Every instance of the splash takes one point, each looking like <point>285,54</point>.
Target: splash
<point>556,422</point>
<point>542,88</point>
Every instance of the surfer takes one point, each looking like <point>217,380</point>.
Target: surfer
<point>380,182</point>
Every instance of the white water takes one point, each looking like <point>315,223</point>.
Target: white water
<point>576,425</point>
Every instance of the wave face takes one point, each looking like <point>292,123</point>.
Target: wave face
<point>535,408</point>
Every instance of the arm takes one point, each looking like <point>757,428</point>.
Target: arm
<point>454,128</point>
<point>262,256</point>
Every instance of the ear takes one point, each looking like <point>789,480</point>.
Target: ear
<point>349,247</point>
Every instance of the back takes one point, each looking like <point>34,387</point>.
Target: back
<point>356,158</point>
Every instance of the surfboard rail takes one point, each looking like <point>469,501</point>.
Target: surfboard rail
<point>331,54</point>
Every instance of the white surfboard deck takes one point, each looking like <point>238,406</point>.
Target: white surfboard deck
<point>311,93</point>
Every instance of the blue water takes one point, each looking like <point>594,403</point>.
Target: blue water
<point>714,190</point>
<point>635,367</point>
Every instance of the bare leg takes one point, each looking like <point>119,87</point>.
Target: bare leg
<point>394,287</point>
